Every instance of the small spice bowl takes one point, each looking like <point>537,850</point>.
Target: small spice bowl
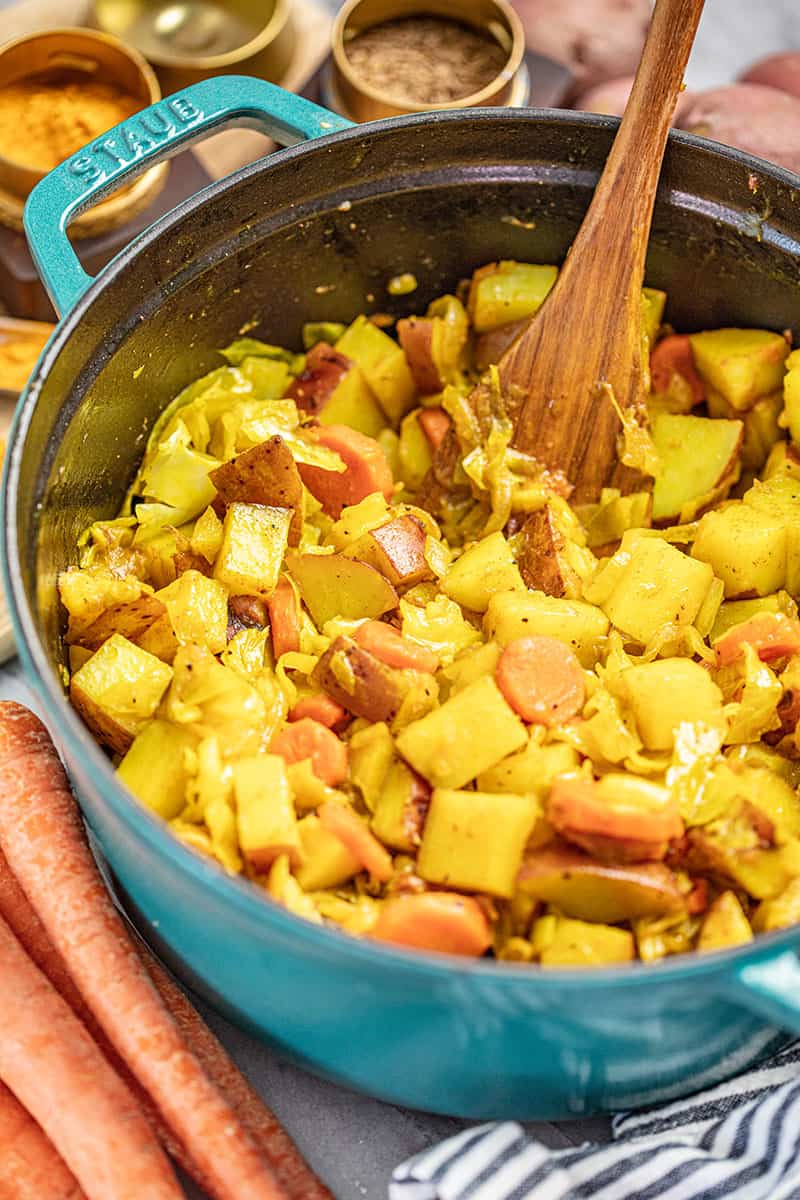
<point>189,40</point>
<point>67,59</point>
<point>412,52</point>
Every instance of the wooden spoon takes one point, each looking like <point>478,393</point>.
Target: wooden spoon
<point>587,337</point>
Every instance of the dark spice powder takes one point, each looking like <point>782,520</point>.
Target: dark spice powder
<point>425,60</point>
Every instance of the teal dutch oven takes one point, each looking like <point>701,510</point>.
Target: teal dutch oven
<point>317,230</point>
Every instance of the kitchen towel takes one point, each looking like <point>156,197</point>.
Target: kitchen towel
<point>737,1141</point>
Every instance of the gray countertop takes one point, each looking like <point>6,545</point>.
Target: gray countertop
<point>351,1141</point>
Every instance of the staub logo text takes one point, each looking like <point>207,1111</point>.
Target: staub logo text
<point>142,133</point>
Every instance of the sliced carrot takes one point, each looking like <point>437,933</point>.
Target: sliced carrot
<point>42,837</point>
<point>348,827</point>
<point>574,806</point>
<point>53,1067</point>
<point>284,619</point>
<point>322,708</point>
<point>444,921</point>
<point>673,356</point>
<point>366,469</point>
<point>308,738</point>
<point>389,645</point>
<point>541,679</point>
<point>772,635</point>
<point>435,424</point>
<point>31,1167</point>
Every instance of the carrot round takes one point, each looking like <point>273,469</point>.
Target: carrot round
<point>541,679</point>
<point>322,708</point>
<point>444,921</point>
<point>31,1168</point>
<point>351,831</point>
<point>387,644</point>
<point>673,356</point>
<point>308,738</point>
<point>366,469</point>
<point>284,619</point>
<point>772,635</point>
<point>42,837</point>
<point>53,1067</point>
<point>435,424</point>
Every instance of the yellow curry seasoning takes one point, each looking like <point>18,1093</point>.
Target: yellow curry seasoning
<point>44,119</point>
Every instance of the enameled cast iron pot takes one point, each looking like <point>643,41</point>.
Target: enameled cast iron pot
<point>317,231</point>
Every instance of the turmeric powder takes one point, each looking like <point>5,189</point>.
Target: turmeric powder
<point>46,119</point>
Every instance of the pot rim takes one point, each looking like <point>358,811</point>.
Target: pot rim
<point>146,827</point>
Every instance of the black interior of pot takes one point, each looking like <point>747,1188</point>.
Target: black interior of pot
<point>318,233</point>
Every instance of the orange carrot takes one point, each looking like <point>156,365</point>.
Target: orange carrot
<point>435,424</point>
<point>387,644</point>
<point>291,1170</point>
<point>31,1169</point>
<point>366,469</point>
<point>43,840</point>
<point>772,635</point>
<point>673,356</point>
<point>444,921</point>
<point>307,738</point>
<point>56,1071</point>
<point>575,806</point>
<point>348,827</point>
<point>322,708</point>
<point>541,679</point>
<point>284,619</point>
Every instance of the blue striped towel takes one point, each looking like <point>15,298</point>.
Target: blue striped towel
<point>737,1141</point>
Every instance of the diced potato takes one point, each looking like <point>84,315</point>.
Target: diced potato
<point>780,912</point>
<point>761,428</point>
<point>512,615</point>
<point>471,664</point>
<point>698,458</point>
<point>359,681</point>
<point>416,456</point>
<point>665,693</point>
<point>265,816</point>
<point>153,768</point>
<point>308,789</point>
<point>335,586</point>
<point>206,536</point>
<point>466,735</point>
<point>383,364</point>
<point>198,610</point>
<point>131,619</point>
<point>484,569</point>
<point>734,612</point>
<point>397,550</point>
<point>724,925</point>
<point>159,639</point>
<point>333,389</point>
<point>568,943</point>
<point>530,770</point>
<point>791,401</point>
<point>434,344</point>
<point>358,519</point>
<point>117,690</point>
<point>401,808</point>
<point>745,548</point>
<point>326,861</point>
<point>741,364</point>
<point>254,541</point>
<point>653,304</point>
<point>267,475</point>
<point>87,594</point>
<point>592,891</point>
<point>475,840</point>
<point>508,291</point>
<point>370,753</point>
<point>648,584</point>
<point>784,459</point>
<point>543,563</point>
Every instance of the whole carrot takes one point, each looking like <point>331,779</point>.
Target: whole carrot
<point>56,1071</point>
<point>31,1168</point>
<point>291,1170</point>
<point>43,840</point>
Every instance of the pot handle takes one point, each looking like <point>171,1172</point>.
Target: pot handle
<point>147,138</point>
<point>771,988</point>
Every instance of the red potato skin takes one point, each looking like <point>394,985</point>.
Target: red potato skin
<point>42,838</point>
<point>597,41</point>
<point>751,117</point>
<point>673,356</point>
<point>781,71</point>
<point>435,424</point>
<point>323,373</point>
<point>400,547</point>
<point>415,335</point>
<point>610,98</point>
